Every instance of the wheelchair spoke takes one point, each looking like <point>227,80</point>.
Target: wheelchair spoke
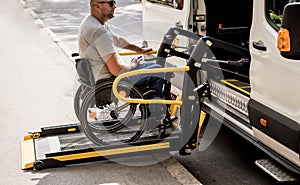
<point>118,109</point>
<point>110,120</point>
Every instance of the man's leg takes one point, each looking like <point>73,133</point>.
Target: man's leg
<point>150,81</point>
<point>146,82</point>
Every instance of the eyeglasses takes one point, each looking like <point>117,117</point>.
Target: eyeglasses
<point>111,3</point>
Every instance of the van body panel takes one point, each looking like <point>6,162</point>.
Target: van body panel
<point>158,18</point>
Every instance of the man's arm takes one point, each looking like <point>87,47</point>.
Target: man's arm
<point>116,67</point>
<point>121,42</point>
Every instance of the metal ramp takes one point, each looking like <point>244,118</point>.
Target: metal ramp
<point>64,145</point>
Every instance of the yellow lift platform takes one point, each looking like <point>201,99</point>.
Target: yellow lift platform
<point>63,145</point>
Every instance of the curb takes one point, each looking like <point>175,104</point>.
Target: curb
<point>41,24</point>
<point>182,175</point>
<point>177,170</point>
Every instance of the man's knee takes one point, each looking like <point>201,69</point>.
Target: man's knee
<point>149,65</point>
<point>154,65</point>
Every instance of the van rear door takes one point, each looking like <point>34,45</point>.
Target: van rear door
<point>160,15</point>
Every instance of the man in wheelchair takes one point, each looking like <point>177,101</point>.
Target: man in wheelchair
<point>98,44</point>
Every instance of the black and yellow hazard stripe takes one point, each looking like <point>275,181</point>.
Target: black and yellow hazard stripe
<point>238,85</point>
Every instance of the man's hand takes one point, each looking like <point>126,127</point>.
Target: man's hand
<point>144,50</point>
<point>137,60</point>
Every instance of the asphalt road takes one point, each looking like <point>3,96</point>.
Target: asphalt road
<point>229,160</point>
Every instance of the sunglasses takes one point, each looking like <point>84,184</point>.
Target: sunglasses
<point>111,3</point>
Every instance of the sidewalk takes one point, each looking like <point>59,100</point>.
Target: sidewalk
<point>37,80</point>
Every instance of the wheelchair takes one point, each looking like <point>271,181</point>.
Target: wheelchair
<point>103,118</point>
<point>106,119</point>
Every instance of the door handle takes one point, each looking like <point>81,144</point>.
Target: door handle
<point>259,45</point>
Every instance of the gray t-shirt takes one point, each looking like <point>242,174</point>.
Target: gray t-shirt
<point>95,40</point>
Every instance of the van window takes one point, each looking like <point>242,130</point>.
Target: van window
<point>274,11</point>
<point>177,4</point>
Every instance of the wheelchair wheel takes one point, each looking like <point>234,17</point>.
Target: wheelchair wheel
<point>105,119</point>
<point>77,101</point>
<point>78,98</point>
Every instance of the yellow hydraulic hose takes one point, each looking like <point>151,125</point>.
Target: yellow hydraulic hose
<point>146,71</point>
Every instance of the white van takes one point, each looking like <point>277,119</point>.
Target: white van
<point>251,68</point>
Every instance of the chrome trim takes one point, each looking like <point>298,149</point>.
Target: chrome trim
<point>235,100</point>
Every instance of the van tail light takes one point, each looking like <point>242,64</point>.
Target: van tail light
<point>283,41</point>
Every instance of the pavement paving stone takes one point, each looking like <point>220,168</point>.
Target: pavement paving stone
<point>63,18</point>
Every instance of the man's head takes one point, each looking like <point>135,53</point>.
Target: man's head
<point>103,10</point>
